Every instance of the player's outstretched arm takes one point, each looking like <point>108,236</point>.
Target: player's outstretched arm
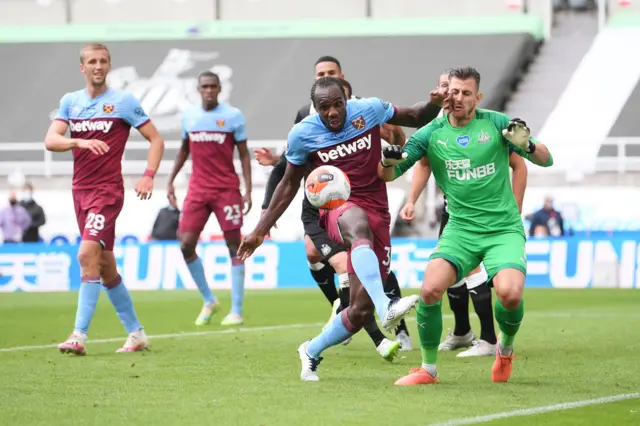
<point>519,178</point>
<point>421,113</point>
<point>284,194</point>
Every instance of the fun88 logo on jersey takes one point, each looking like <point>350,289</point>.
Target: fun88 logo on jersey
<point>461,170</point>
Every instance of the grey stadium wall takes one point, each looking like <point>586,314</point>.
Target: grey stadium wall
<point>269,79</point>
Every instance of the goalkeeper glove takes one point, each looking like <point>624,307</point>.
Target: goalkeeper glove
<point>518,134</point>
<point>392,155</point>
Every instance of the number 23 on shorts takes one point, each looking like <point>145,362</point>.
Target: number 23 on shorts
<point>232,212</point>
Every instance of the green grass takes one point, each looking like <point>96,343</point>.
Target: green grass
<point>573,345</point>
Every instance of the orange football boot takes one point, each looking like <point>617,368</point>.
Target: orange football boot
<point>502,366</point>
<point>417,376</point>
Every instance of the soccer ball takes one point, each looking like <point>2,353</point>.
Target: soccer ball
<point>327,187</point>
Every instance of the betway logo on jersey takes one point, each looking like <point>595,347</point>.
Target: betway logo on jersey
<point>457,171</point>
<point>91,126</point>
<point>347,148</point>
<point>207,137</point>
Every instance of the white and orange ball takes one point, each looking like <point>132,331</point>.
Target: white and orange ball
<point>327,187</point>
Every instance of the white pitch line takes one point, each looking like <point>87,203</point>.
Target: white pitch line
<point>548,314</point>
<point>176,335</point>
<point>538,410</point>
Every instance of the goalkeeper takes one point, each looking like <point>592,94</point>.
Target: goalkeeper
<point>469,154</point>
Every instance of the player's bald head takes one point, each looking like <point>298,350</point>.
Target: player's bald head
<point>92,47</point>
<point>322,85</point>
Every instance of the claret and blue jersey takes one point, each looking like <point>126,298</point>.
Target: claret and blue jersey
<point>212,137</point>
<point>107,117</point>
<point>356,149</point>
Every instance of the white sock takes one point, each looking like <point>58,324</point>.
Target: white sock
<point>430,368</point>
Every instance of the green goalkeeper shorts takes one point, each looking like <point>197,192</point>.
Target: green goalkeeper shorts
<point>466,250</point>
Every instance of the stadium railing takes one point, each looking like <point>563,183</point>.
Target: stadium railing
<point>50,167</point>
<point>55,12</point>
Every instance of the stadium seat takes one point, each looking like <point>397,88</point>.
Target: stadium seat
<point>113,11</point>
<point>290,9</point>
<point>32,12</point>
<point>439,8</point>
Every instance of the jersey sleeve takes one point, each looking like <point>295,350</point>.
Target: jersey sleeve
<point>240,128</point>
<point>133,112</point>
<point>62,113</point>
<point>384,111</point>
<point>416,148</point>
<point>297,152</point>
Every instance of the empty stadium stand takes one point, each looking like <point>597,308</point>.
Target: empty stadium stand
<point>117,11</point>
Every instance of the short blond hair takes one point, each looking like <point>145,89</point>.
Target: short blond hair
<point>93,46</point>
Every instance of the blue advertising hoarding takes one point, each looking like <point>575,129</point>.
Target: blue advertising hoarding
<point>572,262</point>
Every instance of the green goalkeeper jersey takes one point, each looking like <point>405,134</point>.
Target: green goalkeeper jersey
<point>471,166</point>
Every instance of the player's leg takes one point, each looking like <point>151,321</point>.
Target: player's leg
<point>462,336</point>
<point>89,293</point>
<point>505,261</point>
<point>481,297</point>
<point>228,206</point>
<point>195,214</point>
<point>360,311</point>
<point>367,257</point>
<point>321,272</point>
<point>388,349</point>
<point>392,288</point>
<point>121,300</point>
<point>233,238</point>
<point>447,265</point>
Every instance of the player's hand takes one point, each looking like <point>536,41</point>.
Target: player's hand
<point>439,96</point>
<point>246,199</point>
<point>517,133</point>
<point>144,187</point>
<point>407,211</point>
<point>248,245</point>
<point>386,133</point>
<point>171,192</point>
<point>392,155</point>
<point>94,145</point>
<point>265,157</point>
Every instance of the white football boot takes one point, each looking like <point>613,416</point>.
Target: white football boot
<point>136,341</point>
<point>453,342</point>
<point>74,344</point>
<point>405,341</point>
<point>309,372</point>
<point>479,348</point>
<point>397,310</point>
<point>388,349</point>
